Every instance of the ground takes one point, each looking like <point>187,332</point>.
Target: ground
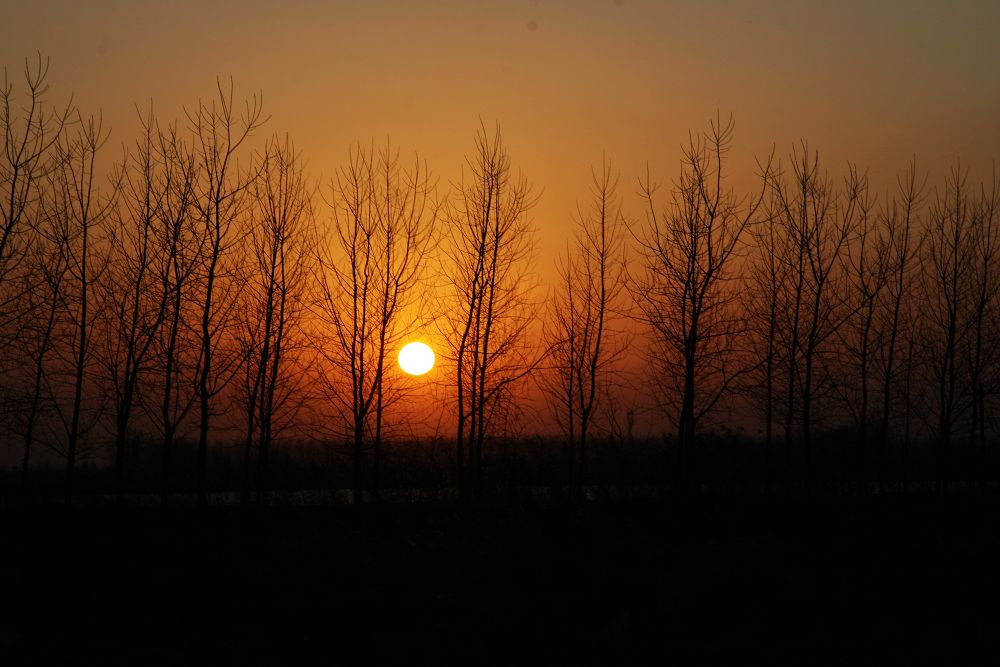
<point>729,581</point>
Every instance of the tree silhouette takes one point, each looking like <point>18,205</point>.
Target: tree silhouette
<point>384,216</point>
<point>76,211</point>
<point>489,312</point>
<point>170,395</point>
<point>45,276</point>
<point>948,261</point>
<point>959,245</point>
<point>985,281</point>
<point>218,133</point>
<point>30,129</point>
<point>136,291</point>
<point>866,268</point>
<point>30,134</point>
<point>862,327</point>
<point>818,221</point>
<point>276,282</point>
<point>899,214</point>
<point>686,290</point>
<point>591,274</point>
<point>765,281</point>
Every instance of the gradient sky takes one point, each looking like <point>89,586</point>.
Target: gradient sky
<point>868,82</point>
<point>873,83</point>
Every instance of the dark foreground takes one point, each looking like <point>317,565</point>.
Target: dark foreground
<point>882,581</point>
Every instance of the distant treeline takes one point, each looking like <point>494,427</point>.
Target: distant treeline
<point>199,288</point>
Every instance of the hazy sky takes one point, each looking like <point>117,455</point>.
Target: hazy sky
<point>872,82</point>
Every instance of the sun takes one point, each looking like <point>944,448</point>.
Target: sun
<point>416,358</point>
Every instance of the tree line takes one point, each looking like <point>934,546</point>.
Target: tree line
<point>200,286</point>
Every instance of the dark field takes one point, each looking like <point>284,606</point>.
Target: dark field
<point>872,580</point>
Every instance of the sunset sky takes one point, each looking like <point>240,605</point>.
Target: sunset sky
<point>269,396</point>
<point>868,82</point>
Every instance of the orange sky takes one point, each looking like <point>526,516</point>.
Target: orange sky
<point>566,80</point>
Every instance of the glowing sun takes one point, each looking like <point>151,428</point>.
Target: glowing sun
<point>416,358</point>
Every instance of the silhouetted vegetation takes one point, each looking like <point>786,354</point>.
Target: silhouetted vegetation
<point>193,289</point>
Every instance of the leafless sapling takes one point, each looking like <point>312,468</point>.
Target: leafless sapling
<point>489,305</point>
<point>687,289</point>
<point>588,299</point>
<point>384,214</point>
<point>219,130</point>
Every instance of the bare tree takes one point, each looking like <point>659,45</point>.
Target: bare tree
<point>984,357</point>
<point>960,247</point>
<point>76,210</point>
<point>171,392</point>
<point>46,274</point>
<point>278,245</point>
<point>489,308</point>
<point>817,221</point>
<point>30,128</point>
<point>766,277</point>
<point>135,292</point>
<point>383,218</point>
<point>899,216</point>
<point>686,292</point>
<point>219,131</point>
<point>591,283</point>
<point>866,265</point>
<point>948,263</point>
<point>30,131</point>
